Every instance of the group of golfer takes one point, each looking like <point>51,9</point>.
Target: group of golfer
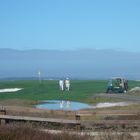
<point>64,84</point>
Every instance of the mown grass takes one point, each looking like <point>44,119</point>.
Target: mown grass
<point>81,90</point>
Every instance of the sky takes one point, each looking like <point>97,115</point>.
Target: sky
<point>70,24</point>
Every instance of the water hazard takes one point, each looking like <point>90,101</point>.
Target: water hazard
<point>69,105</point>
<point>62,105</point>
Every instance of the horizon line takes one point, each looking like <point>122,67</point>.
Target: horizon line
<point>73,49</point>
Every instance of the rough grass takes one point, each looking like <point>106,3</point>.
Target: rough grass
<point>26,132</point>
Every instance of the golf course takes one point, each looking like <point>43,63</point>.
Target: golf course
<point>80,90</point>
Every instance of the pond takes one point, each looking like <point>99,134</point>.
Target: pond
<point>62,105</point>
<point>69,105</point>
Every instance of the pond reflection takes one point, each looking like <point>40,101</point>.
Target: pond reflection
<point>62,105</point>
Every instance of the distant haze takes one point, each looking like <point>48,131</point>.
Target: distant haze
<point>80,63</point>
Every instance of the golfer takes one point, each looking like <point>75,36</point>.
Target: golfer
<point>61,85</point>
<point>67,84</point>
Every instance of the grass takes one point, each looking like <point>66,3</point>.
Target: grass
<point>33,92</point>
<point>81,90</point>
<point>26,132</point>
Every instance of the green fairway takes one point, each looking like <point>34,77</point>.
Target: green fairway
<point>81,90</point>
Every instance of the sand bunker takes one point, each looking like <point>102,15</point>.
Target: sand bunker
<point>135,90</point>
<point>10,89</point>
<point>102,105</point>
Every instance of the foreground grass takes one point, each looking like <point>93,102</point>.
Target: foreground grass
<point>25,132</point>
<point>81,90</point>
<point>28,133</point>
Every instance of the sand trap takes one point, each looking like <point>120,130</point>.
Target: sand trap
<point>135,90</point>
<point>10,89</point>
<point>102,105</point>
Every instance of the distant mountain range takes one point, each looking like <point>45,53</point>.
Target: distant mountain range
<point>81,63</point>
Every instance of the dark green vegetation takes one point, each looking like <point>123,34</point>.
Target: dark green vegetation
<point>81,90</point>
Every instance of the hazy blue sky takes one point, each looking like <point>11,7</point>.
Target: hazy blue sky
<point>70,24</point>
<point>87,64</point>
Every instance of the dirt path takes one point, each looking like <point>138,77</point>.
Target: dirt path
<point>127,97</point>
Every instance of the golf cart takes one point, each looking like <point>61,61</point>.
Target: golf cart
<point>117,85</point>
